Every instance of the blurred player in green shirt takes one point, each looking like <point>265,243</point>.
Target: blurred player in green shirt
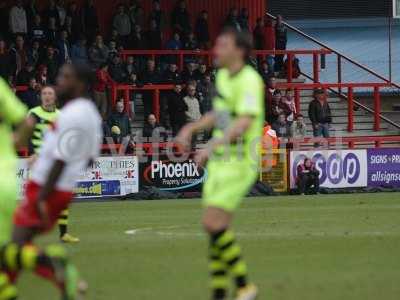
<point>12,114</point>
<point>233,157</point>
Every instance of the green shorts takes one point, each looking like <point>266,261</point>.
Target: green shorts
<point>8,203</point>
<point>228,183</point>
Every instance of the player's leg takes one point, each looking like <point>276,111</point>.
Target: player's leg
<point>223,193</point>
<point>51,263</point>
<point>8,202</point>
<point>8,291</point>
<point>63,228</point>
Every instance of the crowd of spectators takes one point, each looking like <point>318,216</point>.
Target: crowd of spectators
<point>35,43</point>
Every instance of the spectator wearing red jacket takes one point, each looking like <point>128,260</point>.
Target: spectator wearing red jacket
<point>103,79</point>
<point>269,41</point>
<point>307,177</point>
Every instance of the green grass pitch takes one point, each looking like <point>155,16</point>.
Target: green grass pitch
<point>312,248</point>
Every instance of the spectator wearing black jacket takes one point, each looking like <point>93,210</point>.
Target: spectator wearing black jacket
<point>90,19</point>
<point>150,76</point>
<point>6,60</point>
<point>180,18</point>
<point>177,109</point>
<point>202,30</point>
<point>153,131</point>
<point>280,42</point>
<point>153,36</point>
<point>172,75</point>
<point>25,75</point>
<point>320,114</point>
<point>116,70</point>
<point>31,96</point>
<point>52,63</point>
<point>307,177</point>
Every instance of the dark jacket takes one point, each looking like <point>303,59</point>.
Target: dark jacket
<point>150,77</point>
<point>156,130</point>
<point>171,77</point>
<point>122,121</point>
<point>202,31</point>
<point>31,98</point>
<point>319,113</point>
<point>177,108</point>
<point>282,130</point>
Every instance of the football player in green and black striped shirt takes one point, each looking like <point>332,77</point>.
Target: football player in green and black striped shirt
<point>45,115</point>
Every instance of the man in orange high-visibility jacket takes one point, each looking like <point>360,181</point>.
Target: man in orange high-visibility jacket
<point>269,143</point>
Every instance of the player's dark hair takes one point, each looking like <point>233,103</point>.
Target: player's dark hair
<point>85,74</point>
<point>243,39</point>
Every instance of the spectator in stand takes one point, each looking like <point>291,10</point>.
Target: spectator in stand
<point>120,123</point>
<point>137,40</point>
<point>31,96</point>
<point>201,72</point>
<point>17,19</point>
<point>136,13</point>
<point>90,19</point>
<point>41,76</point>
<point>153,36</point>
<point>64,48</point>
<point>232,19</point>
<point>35,53</point>
<point>307,177</point>
<point>51,12</point>
<point>6,60</point>
<point>62,12</point>
<point>205,89</point>
<point>180,18</point>
<point>116,70</point>
<point>114,37</point>
<point>269,41</point>
<point>52,62</point>
<point>190,72</point>
<point>153,131</point>
<point>79,52</point>
<point>265,71</point>
<point>275,106</point>
<point>52,31</point>
<point>25,74</point>
<point>4,20</point>
<point>112,50</point>
<point>281,42</point>
<point>73,35</point>
<point>296,71</point>
<point>271,88</point>
<point>19,54</point>
<point>193,105</point>
<point>175,43</point>
<point>202,30</point>
<point>100,89</point>
<point>320,114</point>
<point>281,127</point>
<point>130,67</point>
<point>37,32</point>
<point>98,53</point>
<point>259,34</point>
<point>31,11</point>
<point>191,42</point>
<point>244,19</point>
<point>172,75</point>
<point>149,76</point>
<point>157,15</point>
<point>76,18</point>
<point>177,109</point>
<point>298,129</point>
<point>122,24</point>
<point>288,106</point>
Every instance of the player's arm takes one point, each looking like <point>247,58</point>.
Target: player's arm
<point>206,122</point>
<point>48,187</point>
<point>24,132</point>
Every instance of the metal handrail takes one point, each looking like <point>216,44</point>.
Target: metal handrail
<point>365,68</point>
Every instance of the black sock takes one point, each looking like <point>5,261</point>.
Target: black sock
<point>63,229</point>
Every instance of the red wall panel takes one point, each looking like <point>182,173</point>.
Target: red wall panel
<point>217,9</point>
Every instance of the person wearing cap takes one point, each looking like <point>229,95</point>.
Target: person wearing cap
<point>320,114</point>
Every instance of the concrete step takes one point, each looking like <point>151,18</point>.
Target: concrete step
<point>343,119</point>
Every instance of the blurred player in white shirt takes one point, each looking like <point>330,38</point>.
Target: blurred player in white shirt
<point>71,144</point>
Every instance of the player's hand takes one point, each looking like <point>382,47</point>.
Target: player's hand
<point>184,138</point>
<point>202,157</point>
<point>43,213</point>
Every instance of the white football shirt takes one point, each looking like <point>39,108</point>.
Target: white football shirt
<point>75,138</point>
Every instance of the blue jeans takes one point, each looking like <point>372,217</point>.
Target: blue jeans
<point>321,130</point>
